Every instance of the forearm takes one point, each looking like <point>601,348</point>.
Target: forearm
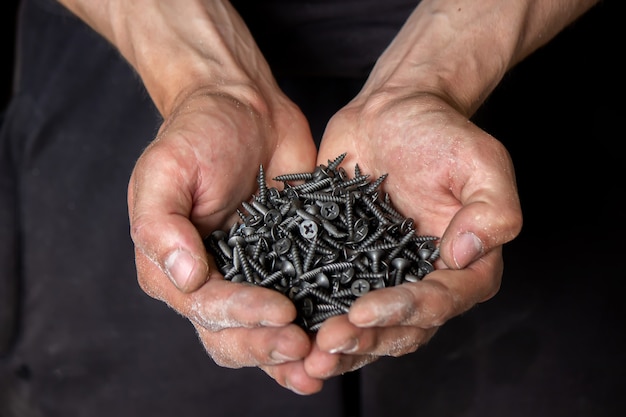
<point>462,48</point>
<point>179,46</point>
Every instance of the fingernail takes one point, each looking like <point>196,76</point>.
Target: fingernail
<point>291,388</point>
<point>280,357</point>
<point>181,267</point>
<point>348,347</point>
<point>466,249</point>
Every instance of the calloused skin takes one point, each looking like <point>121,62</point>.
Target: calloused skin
<point>224,117</point>
<point>451,178</point>
<point>183,187</point>
<point>444,172</point>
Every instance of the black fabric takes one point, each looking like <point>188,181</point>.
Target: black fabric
<point>89,343</point>
<point>324,38</point>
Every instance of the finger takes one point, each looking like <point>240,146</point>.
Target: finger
<point>296,151</point>
<point>490,215</point>
<point>323,365</point>
<point>293,376</point>
<point>339,335</point>
<point>218,304</point>
<point>429,303</point>
<point>338,139</point>
<point>160,201</point>
<point>263,346</point>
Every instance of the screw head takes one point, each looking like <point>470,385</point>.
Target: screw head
<point>253,221</point>
<point>347,275</point>
<point>425,267</point>
<point>360,232</point>
<point>360,287</point>
<point>282,245</point>
<point>219,235</point>
<point>322,280</point>
<point>400,264</point>
<point>330,210</point>
<point>234,240</point>
<point>424,253</point>
<point>377,283</point>
<point>407,226</point>
<point>238,278</point>
<point>307,307</point>
<point>272,217</point>
<point>308,229</point>
<point>287,269</point>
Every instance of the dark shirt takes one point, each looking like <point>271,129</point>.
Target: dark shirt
<point>327,38</point>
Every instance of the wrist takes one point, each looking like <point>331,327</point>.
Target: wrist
<point>460,50</point>
<point>178,48</point>
<point>195,46</point>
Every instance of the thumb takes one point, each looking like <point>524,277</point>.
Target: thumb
<point>477,228</point>
<point>160,206</point>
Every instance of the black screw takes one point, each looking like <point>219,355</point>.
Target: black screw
<point>322,242</point>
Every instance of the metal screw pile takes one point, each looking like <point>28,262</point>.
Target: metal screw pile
<point>322,242</point>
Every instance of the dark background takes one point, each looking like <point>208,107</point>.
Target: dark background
<point>553,338</point>
<point>8,12</point>
<point>559,109</point>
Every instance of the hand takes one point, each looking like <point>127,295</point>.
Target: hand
<point>189,182</point>
<point>224,117</point>
<point>456,182</point>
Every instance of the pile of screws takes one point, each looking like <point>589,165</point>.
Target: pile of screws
<point>323,241</point>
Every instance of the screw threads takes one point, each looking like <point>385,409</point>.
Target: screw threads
<point>303,176</point>
<point>323,243</point>
<point>335,163</point>
<point>262,195</point>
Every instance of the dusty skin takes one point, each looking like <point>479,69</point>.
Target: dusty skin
<point>221,105</point>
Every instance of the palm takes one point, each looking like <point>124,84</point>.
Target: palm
<point>452,179</point>
<point>433,156</point>
<point>211,151</point>
<point>189,182</point>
